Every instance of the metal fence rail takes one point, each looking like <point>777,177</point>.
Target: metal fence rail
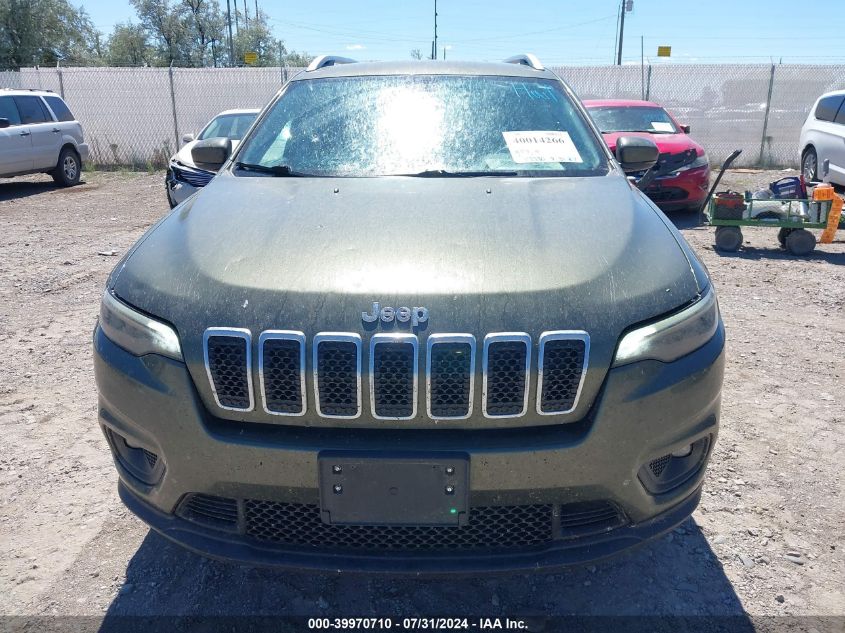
<point>137,116</point>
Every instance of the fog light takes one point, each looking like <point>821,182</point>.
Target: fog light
<point>682,452</point>
<point>141,463</point>
<point>672,470</point>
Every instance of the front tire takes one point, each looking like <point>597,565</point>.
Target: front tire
<point>810,165</point>
<point>68,170</point>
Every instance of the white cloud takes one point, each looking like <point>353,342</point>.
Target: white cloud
<point>355,47</point>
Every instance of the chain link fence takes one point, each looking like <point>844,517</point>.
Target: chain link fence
<point>137,116</point>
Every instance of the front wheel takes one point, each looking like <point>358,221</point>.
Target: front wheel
<point>728,239</point>
<point>69,168</point>
<point>810,165</point>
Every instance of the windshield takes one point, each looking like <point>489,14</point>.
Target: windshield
<point>424,125</point>
<point>232,126</point>
<point>633,119</point>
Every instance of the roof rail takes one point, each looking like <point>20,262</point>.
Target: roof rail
<point>29,89</point>
<point>328,60</point>
<point>526,59</point>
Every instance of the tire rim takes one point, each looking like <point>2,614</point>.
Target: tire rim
<point>70,168</point>
<point>809,167</point>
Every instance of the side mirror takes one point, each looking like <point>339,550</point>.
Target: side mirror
<point>685,129</point>
<point>4,123</point>
<point>635,153</point>
<point>213,152</point>
<point>187,138</point>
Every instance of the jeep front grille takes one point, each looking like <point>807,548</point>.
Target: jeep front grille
<point>228,362</point>
<point>337,374</point>
<point>561,368</point>
<point>281,368</point>
<point>393,376</point>
<point>507,360</point>
<point>393,361</point>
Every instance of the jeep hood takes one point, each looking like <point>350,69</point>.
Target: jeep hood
<point>482,254</point>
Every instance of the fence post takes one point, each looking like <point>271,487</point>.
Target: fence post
<point>766,116</point>
<point>61,80</point>
<point>173,106</point>
<point>648,84</point>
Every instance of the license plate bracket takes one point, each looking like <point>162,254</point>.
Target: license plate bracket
<point>414,489</point>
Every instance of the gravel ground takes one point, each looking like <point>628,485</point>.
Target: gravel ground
<point>767,540</point>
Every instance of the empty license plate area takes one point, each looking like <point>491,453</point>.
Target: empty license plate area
<point>409,489</point>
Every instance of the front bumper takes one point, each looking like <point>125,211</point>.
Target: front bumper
<point>83,151</point>
<point>177,190</point>
<point>644,411</point>
<point>685,190</point>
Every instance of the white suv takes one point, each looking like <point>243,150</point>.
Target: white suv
<point>823,138</point>
<point>38,133</point>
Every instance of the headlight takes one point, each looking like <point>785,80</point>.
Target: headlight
<point>674,336</point>
<point>700,161</point>
<point>135,332</point>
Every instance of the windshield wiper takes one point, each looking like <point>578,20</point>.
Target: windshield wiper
<point>442,173</point>
<point>274,170</point>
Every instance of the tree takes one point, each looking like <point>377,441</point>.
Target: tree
<point>167,26</point>
<point>416,54</point>
<point>128,45</point>
<point>44,32</point>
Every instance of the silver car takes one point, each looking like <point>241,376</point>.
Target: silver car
<point>184,175</point>
<point>38,133</point>
<point>823,139</point>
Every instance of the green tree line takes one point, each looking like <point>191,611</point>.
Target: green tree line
<point>178,32</point>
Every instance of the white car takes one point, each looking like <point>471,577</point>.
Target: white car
<point>185,176</point>
<point>823,139</point>
<point>38,133</point>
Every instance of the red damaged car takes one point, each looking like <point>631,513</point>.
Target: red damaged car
<point>683,171</point>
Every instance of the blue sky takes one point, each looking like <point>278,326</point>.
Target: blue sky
<point>558,31</point>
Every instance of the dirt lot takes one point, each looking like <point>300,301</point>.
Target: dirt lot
<point>768,538</point>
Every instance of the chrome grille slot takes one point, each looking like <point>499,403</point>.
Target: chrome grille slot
<point>561,368</point>
<point>393,376</point>
<point>450,375</point>
<point>281,369</point>
<point>228,363</point>
<point>507,358</point>
<point>337,374</point>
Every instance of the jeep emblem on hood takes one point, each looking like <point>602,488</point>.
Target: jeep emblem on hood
<point>387,314</point>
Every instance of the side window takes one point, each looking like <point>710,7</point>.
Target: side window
<point>32,110</point>
<point>840,117</point>
<point>828,107</point>
<point>8,110</point>
<point>59,108</point>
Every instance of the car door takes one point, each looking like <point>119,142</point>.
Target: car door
<point>46,135</point>
<point>15,140</point>
<point>828,135</point>
<point>837,153</point>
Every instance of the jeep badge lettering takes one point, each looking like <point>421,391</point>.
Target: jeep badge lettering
<point>388,314</point>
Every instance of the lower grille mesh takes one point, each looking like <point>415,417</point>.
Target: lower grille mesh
<point>658,465</point>
<point>489,527</point>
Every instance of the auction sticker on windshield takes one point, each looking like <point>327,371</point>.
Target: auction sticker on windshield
<point>662,126</point>
<point>542,147</point>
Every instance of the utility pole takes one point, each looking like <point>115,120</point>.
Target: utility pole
<point>627,5</point>
<point>237,26</point>
<point>256,9</point>
<point>246,15</point>
<point>621,34</point>
<point>229,22</point>
<point>434,48</point>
